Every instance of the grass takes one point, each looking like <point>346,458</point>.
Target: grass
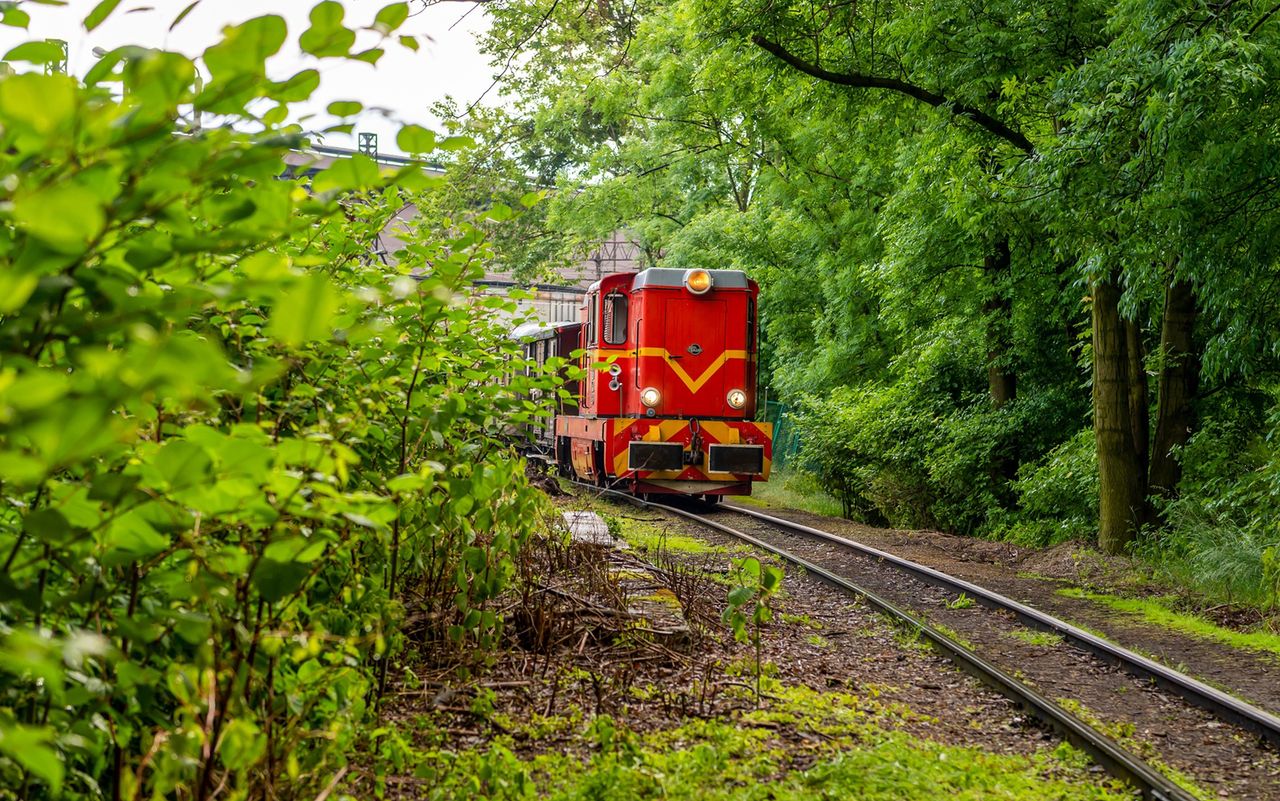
<point>1155,612</point>
<point>1045,639</point>
<point>854,749</point>
<point>655,537</point>
<point>786,490</point>
<point>1125,734</point>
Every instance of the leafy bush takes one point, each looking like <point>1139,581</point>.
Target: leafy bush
<point>1221,530</point>
<point>913,454</point>
<point>1057,496</point>
<point>231,440</point>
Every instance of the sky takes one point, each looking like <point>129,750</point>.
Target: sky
<point>403,82</point>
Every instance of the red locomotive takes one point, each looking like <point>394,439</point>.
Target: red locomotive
<point>673,412</point>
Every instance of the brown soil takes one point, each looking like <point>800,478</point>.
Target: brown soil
<point>1214,754</point>
<point>823,639</point>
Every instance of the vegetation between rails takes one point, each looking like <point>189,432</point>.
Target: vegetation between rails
<point>1159,612</point>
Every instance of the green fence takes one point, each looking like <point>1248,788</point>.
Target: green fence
<point>786,442</point>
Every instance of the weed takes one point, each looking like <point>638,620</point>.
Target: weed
<point>750,603</point>
<point>952,634</point>
<point>962,602</point>
<point>802,620</point>
<point>1045,639</point>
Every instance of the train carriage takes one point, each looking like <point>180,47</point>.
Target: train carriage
<point>673,413</point>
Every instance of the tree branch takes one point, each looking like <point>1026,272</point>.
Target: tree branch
<point>857,80</point>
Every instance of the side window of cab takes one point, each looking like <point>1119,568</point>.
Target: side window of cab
<point>614,318</point>
<point>589,341</point>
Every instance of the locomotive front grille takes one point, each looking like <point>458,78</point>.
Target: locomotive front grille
<point>655,456</point>
<point>748,459</point>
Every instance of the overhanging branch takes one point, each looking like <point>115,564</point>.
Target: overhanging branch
<point>983,119</point>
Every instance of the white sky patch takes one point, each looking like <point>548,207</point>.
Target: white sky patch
<point>405,84</point>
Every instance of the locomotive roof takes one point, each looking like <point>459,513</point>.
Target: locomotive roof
<point>673,278</point>
<point>667,277</point>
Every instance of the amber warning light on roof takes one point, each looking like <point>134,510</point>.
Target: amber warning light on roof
<point>697,281</point>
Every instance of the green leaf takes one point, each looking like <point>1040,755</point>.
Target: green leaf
<point>740,595</point>
<point>345,108</point>
<point>370,56</point>
<point>48,526</point>
<point>182,464</point>
<point>99,13</point>
<point>183,15</point>
<point>245,48</point>
<point>456,143</point>
<point>276,580</point>
<point>43,104</point>
<point>391,17</point>
<point>35,53</point>
<point>66,217</point>
<point>357,172</point>
<point>131,538</point>
<point>415,139</point>
<point>297,89</point>
<point>475,558</point>
<point>29,747</point>
<point>327,36</point>
<point>242,744</point>
<point>410,43</point>
<point>15,289</point>
<point>304,312</point>
<point>15,17</point>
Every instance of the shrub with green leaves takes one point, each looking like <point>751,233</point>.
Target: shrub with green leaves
<point>236,448</point>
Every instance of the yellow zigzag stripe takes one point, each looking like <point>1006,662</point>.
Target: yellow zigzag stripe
<point>694,384</point>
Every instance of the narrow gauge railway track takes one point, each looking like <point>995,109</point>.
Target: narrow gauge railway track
<point>1226,707</point>
<point>1107,752</point>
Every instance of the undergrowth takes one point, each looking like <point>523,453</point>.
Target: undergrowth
<point>804,744</point>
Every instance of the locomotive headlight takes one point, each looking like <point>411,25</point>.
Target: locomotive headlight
<point>650,397</point>
<point>697,281</point>
<point>736,398</point>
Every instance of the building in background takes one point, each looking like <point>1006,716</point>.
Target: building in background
<point>556,301</point>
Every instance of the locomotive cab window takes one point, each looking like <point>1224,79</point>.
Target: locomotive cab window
<point>590,340</point>
<point>614,318</point>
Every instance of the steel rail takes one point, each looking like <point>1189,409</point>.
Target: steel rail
<point>1224,706</point>
<point>1113,757</point>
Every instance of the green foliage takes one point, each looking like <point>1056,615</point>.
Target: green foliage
<point>1115,142</point>
<point>1057,496</point>
<point>860,753</point>
<point>236,449</point>
<point>753,590</point>
<point>1221,527</point>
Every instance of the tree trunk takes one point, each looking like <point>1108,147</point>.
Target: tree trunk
<point>1121,480</point>
<point>1139,406</point>
<point>1179,383</point>
<point>998,310</point>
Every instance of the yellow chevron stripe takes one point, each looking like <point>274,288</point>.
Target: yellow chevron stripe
<point>694,384</point>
